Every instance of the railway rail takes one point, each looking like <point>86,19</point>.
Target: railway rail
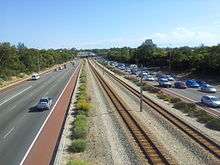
<point>194,134</point>
<point>150,150</point>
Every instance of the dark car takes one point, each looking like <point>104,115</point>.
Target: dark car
<point>201,83</point>
<point>180,85</point>
<point>192,84</point>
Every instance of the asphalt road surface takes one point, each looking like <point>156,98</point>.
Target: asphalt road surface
<point>193,94</point>
<point>19,119</point>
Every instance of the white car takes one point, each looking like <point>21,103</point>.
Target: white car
<point>148,78</point>
<point>170,78</point>
<point>163,82</point>
<point>211,101</point>
<point>35,76</point>
<point>208,89</point>
<point>44,103</point>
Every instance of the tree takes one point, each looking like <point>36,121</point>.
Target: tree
<point>145,52</point>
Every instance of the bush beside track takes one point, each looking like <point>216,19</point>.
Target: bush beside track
<point>79,129</point>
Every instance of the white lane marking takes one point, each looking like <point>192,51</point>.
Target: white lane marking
<point>8,132</point>
<point>41,128</point>
<point>15,95</point>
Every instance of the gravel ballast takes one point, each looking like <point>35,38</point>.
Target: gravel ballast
<point>106,140</point>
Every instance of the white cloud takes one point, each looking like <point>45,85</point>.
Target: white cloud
<point>179,36</point>
<point>182,36</point>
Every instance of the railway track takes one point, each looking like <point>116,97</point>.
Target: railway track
<point>150,150</point>
<point>197,136</point>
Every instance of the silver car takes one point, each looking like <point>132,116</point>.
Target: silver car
<point>211,101</point>
<point>44,103</point>
<point>170,78</point>
<point>208,89</point>
<point>148,78</point>
<point>163,82</point>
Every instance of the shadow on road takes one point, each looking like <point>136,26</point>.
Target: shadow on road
<point>34,109</point>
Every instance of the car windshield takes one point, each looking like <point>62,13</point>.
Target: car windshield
<point>215,99</point>
<point>43,100</point>
<point>164,80</point>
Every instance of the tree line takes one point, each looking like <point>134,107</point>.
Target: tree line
<point>15,60</point>
<point>202,59</point>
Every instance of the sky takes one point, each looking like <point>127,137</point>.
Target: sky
<point>109,23</point>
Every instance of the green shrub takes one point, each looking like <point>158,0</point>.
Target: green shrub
<point>163,96</point>
<point>77,162</point>
<point>214,124</point>
<point>80,128</point>
<point>138,83</point>
<point>82,87</point>
<point>135,81</point>
<point>175,100</point>
<point>21,75</point>
<point>197,113</point>
<point>185,107</point>
<point>204,118</point>
<point>151,89</point>
<point>83,104</point>
<point>78,145</point>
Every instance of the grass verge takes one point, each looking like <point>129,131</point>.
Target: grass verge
<point>77,162</point>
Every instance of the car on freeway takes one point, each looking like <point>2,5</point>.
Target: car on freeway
<point>180,85</point>
<point>201,83</point>
<point>134,70</point>
<point>128,70</point>
<point>153,73</point>
<point>170,78</point>
<point>159,74</point>
<point>142,74</point>
<point>162,77</point>
<point>44,103</point>
<point>211,101</point>
<point>133,66</point>
<point>148,78</point>
<point>207,88</point>
<point>192,84</point>
<point>163,82</point>
<point>35,76</point>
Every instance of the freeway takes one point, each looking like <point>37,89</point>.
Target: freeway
<point>192,94</point>
<point>19,120</point>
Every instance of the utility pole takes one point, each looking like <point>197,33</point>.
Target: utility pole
<point>141,89</point>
